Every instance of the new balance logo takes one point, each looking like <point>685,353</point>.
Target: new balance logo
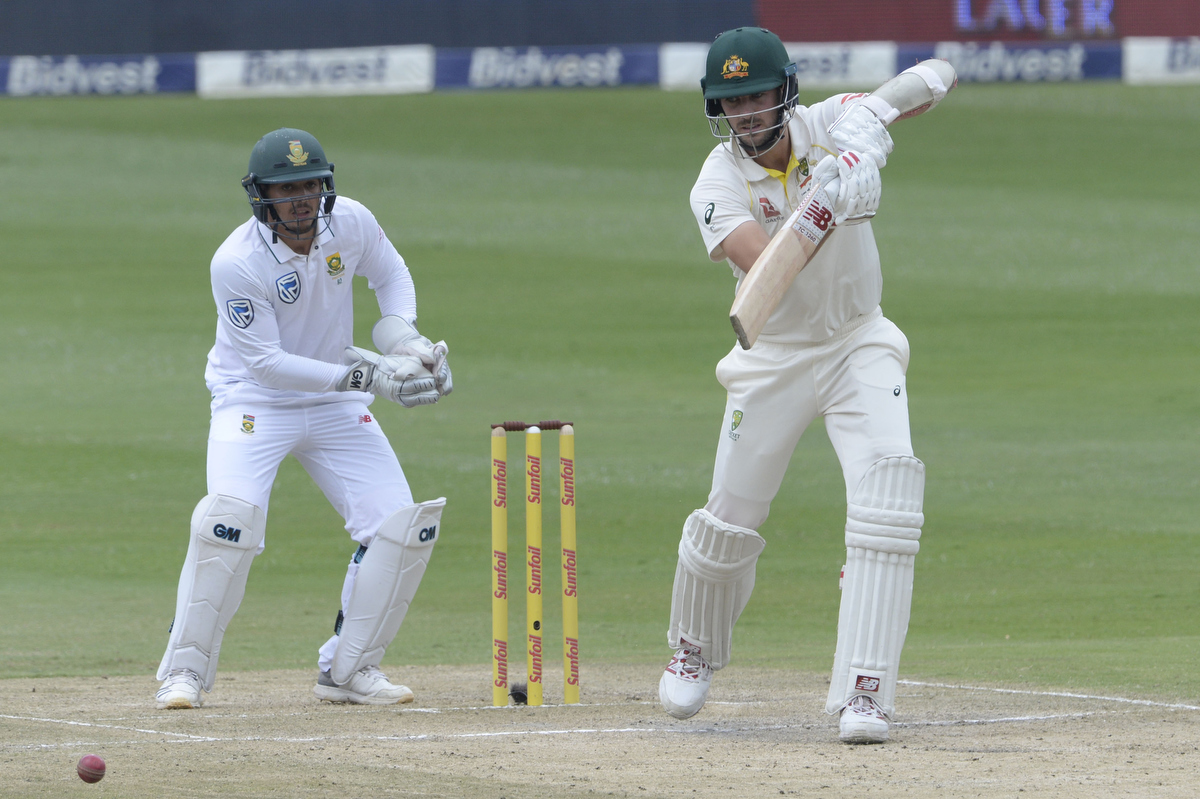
<point>819,216</point>
<point>231,534</point>
<point>865,683</point>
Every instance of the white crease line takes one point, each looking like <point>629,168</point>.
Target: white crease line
<point>422,737</point>
<point>1144,702</point>
<point>106,726</point>
<point>989,721</point>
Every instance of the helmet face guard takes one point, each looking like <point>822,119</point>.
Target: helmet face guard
<point>289,155</point>
<point>742,62</point>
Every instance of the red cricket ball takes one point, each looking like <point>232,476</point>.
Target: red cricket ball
<point>90,768</point>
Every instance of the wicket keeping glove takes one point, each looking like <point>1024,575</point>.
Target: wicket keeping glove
<point>394,335</point>
<point>402,379</point>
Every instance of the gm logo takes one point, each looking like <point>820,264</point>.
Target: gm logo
<point>358,380</point>
<point>230,534</point>
<point>428,533</point>
<point>288,287</point>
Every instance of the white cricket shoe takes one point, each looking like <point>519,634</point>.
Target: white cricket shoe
<point>863,722</point>
<point>684,684</point>
<point>367,686</point>
<point>180,691</point>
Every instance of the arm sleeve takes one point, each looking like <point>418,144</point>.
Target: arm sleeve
<point>720,201</point>
<point>387,274</point>
<point>246,318</point>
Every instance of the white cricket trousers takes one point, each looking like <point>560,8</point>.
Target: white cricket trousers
<point>854,379</point>
<point>339,444</point>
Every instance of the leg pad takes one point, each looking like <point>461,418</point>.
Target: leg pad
<point>883,528</point>
<point>384,586</point>
<point>226,535</point>
<point>713,583</point>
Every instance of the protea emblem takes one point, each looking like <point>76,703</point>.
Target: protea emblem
<point>737,419</point>
<point>297,155</point>
<point>334,264</point>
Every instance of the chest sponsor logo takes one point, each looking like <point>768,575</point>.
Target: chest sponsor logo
<point>708,212</point>
<point>247,423</point>
<point>241,312</point>
<point>296,154</point>
<point>288,287</point>
<point>334,265</point>
<point>768,208</point>
<point>735,67</point>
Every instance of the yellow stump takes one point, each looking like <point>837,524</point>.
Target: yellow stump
<point>533,561</point>
<point>570,577</point>
<point>499,568</point>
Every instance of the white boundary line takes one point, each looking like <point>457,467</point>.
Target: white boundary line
<point>1064,694</point>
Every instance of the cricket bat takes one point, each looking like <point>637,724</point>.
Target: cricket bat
<point>785,255</point>
<point>914,91</point>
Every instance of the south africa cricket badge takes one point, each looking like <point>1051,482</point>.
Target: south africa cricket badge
<point>247,424</point>
<point>334,265</point>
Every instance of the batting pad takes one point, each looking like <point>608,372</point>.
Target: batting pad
<point>384,587</point>
<point>713,583</point>
<point>226,535</point>
<point>883,525</point>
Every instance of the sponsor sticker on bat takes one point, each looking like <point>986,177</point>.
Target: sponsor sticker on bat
<point>814,221</point>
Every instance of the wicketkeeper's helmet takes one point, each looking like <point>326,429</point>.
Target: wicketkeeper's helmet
<point>287,155</point>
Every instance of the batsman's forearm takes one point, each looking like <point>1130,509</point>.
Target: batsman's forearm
<point>914,91</point>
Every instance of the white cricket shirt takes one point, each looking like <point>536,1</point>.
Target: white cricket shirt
<point>283,318</point>
<point>843,281</point>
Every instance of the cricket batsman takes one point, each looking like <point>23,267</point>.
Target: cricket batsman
<point>286,380</point>
<point>826,350</point>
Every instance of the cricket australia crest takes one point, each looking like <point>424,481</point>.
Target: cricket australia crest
<point>735,67</point>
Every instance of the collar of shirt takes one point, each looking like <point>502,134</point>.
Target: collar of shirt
<point>282,252</point>
<point>801,143</point>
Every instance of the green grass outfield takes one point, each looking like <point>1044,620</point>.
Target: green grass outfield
<point>1041,249</point>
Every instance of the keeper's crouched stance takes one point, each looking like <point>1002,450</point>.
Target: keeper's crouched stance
<point>826,350</point>
<point>286,380</point>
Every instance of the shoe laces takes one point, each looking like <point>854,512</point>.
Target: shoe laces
<point>688,664</point>
<point>177,676</point>
<point>865,706</point>
<point>373,674</point>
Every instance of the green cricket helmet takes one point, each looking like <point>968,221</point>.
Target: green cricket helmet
<point>748,61</point>
<point>287,155</point>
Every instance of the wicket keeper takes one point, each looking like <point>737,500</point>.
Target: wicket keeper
<point>286,380</point>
